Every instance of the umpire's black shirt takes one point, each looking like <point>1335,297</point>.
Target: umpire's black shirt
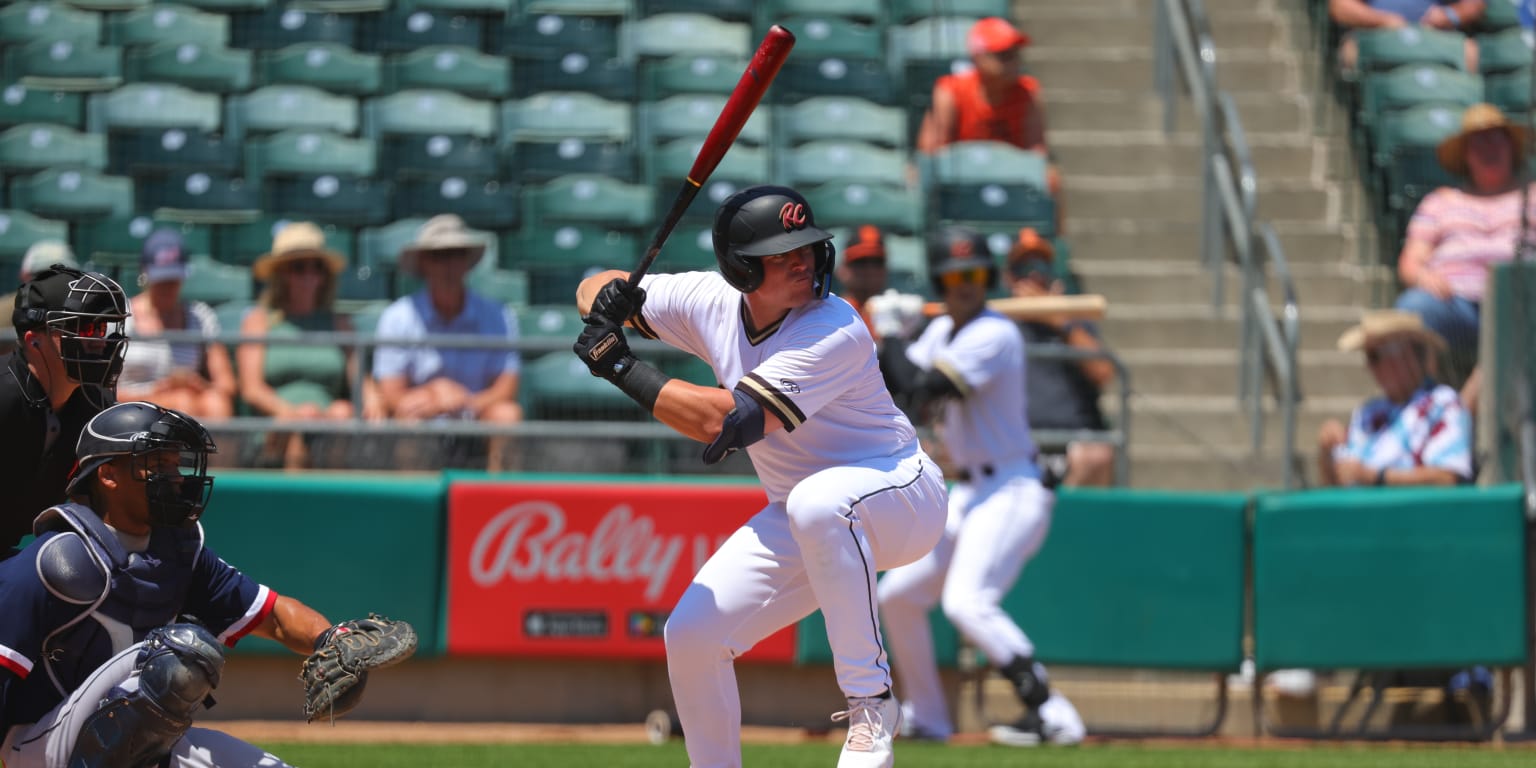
<point>37,448</point>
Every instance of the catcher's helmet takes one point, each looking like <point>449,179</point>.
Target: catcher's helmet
<point>766,221</point>
<point>956,249</point>
<point>140,430</point>
<point>88,309</point>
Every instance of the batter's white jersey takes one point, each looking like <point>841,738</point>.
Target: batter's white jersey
<point>986,361</point>
<point>817,361</point>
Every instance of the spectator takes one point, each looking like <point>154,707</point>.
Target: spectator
<point>991,102</point>
<point>195,378</point>
<point>42,254</point>
<point>1455,235</point>
<point>1393,14</point>
<point>862,273</point>
<point>425,382</point>
<point>298,382</point>
<point>1063,393</point>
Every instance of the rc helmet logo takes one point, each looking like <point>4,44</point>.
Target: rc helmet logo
<point>792,216</point>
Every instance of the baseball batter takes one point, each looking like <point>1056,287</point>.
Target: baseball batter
<point>971,366</point>
<point>850,491</point>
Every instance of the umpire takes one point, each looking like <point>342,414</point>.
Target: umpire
<point>69,324</point>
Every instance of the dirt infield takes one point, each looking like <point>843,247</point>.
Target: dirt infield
<point>359,732</point>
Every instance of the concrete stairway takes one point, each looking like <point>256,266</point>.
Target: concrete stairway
<point>1132,197</point>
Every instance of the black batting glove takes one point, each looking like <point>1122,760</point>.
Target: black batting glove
<point>619,301</point>
<point>603,348</point>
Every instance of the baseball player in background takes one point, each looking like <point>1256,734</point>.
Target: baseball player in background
<point>971,368</point>
<point>850,491</point>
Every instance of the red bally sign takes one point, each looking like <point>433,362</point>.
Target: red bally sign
<point>583,569</point>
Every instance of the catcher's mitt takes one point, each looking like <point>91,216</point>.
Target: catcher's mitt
<point>335,674</point>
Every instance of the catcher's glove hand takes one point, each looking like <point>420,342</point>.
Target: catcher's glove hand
<point>335,674</point>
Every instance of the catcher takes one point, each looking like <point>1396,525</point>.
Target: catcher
<point>97,665</point>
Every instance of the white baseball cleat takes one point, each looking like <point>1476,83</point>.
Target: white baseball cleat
<point>1059,721</point>
<point>871,724</point>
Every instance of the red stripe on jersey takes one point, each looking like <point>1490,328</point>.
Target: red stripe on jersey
<point>233,634</point>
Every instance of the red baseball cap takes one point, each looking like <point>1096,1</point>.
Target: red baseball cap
<point>994,35</point>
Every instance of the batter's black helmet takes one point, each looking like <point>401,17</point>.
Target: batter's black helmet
<point>142,429</point>
<point>956,249</point>
<point>767,221</point>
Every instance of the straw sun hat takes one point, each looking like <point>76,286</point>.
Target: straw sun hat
<point>1380,325</point>
<point>296,241</point>
<point>1452,152</point>
<point>444,232</point>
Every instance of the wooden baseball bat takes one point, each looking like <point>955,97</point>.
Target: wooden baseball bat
<point>1088,306</point>
<point>749,91</point>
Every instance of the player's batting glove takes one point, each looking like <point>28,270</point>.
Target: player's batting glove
<point>603,348</point>
<point>619,300</point>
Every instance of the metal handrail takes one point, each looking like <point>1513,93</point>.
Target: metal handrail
<point>1229,203</point>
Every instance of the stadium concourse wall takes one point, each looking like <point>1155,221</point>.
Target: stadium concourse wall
<point>540,598</point>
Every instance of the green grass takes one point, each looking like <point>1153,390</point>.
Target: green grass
<point>910,756</point>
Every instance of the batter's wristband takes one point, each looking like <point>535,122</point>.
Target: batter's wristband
<point>642,382</point>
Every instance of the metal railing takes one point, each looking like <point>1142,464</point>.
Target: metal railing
<point>1230,231</point>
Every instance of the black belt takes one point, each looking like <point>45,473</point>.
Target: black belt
<point>964,475</point>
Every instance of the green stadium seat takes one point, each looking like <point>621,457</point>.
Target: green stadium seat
<point>154,105</point>
<point>215,283</point>
<point>343,200</point>
<point>36,146</point>
<point>304,152</point>
<point>550,36</point>
<point>833,76</point>
<point>20,229</point>
<point>329,66</point>
<point>492,7</point>
<point>242,242</point>
<point>29,22</point>
<point>365,315</point>
<point>827,34</point>
<point>907,11</point>
<point>558,115</point>
<point>559,387</point>
<point>610,78</point>
<point>451,68</point>
<point>430,112</point>
<point>1020,205</point>
<point>590,199</point>
<point>691,248</point>
<point>365,284</point>
<point>670,34</point>
<point>730,10</point>
<point>506,286</point>
<point>1384,49</point>
<point>691,115</point>
<point>932,38</point>
<point>227,6</point>
<point>151,151</point>
<point>65,65</point>
<point>691,73</point>
<point>549,327</point>
<point>119,240</point>
<point>73,194</point>
<point>218,69</point>
<point>231,313</point>
<point>851,204</point>
<point>1499,15</point>
<point>434,157</point>
<point>819,162</point>
<point>1507,51</point>
<point>380,246</point>
<point>1412,85</point>
<point>555,257</point>
<point>200,197</point>
<point>1423,126</point>
<point>109,5</point>
<point>841,117</point>
<point>974,162</point>
<point>169,23</point>
<point>280,26</point>
<point>671,162</point>
<point>292,107</point>
<point>22,104</point>
<point>1510,92</point>
<point>865,10</point>
<point>481,202</point>
<point>401,30</point>
<point>580,7</point>
<point>533,161</point>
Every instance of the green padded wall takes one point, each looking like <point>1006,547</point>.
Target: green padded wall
<point>1389,578</point>
<point>345,544</point>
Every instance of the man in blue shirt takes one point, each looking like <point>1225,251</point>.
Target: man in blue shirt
<point>1447,15</point>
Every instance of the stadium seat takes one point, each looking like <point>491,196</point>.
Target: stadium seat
<point>20,229</point>
<point>1507,51</point>
<point>1423,126</point>
<point>932,38</point>
<point>1418,84</point>
<point>865,10</point>
<point>153,150</point>
<point>1499,15</point>
<point>692,115</point>
<point>242,242</point>
<point>559,115</point>
<point>590,199</point>
<point>430,112</point>
<point>841,117</point>
<point>352,201</point>
<point>169,23</point>
<point>222,70</point>
<point>533,161</point>
<point>23,104</point>
<point>491,7</point>
<point>691,73</point>
<point>549,327</point>
<point>550,36</point>
<point>328,66</point>
<point>72,194</point>
<point>1510,92</point>
<point>120,240</point>
<point>976,162</point>
<point>65,65</point>
<point>827,34</point>
<point>507,286</point>
<point>401,30</point>
<point>730,10</point>
<point>851,204</point>
<point>451,68</point>
<point>819,162</point>
<point>292,107</point>
<point>580,7</point>
<point>280,26</point>
<point>37,146</point>
<point>109,5</point>
<point>559,387</point>
<point>610,77</point>
<point>153,105</point>
<point>29,22</point>
<point>671,162</point>
<point>1019,204</point>
<point>364,284</point>
<point>226,6</point>
<point>482,202</point>
<point>670,34</point>
<point>214,283</point>
<point>231,314</point>
<point>833,76</point>
<point>557,256</point>
<point>200,197</point>
<point>381,245</point>
<point>305,152</point>
<point>1386,49</point>
<point>436,156</point>
<point>690,248</point>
